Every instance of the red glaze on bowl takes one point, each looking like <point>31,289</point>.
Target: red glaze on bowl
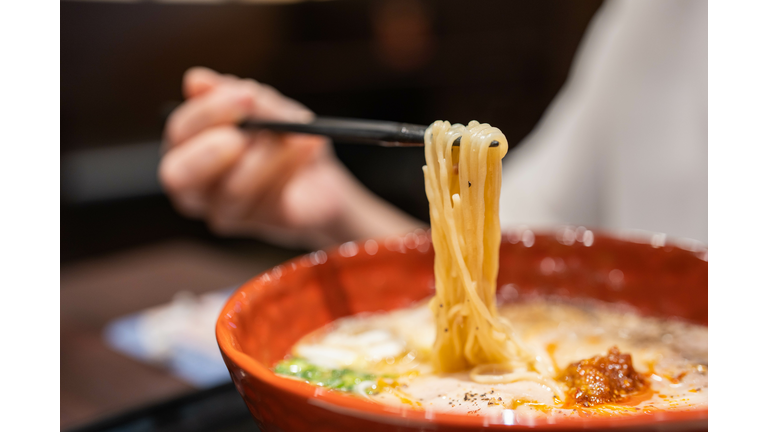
<point>267,315</point>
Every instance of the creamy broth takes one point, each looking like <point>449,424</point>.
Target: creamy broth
<point>386,358</point>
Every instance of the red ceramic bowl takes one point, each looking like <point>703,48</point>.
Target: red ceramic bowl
<point>267,315</point>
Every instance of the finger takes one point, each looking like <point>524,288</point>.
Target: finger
<point>199,80</point>
<point>299,151</point>
<point>202,160</point>
<point>273,105</point>
<point>264,168</point>
<point>301,209</point>
<point>245,182</point>
<point>226,104</point>
<point>231,101</point>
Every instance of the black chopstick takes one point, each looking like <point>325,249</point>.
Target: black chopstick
<point>383,133</point>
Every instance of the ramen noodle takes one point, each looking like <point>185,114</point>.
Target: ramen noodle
<point>463,353</point>
<point>464,215</point>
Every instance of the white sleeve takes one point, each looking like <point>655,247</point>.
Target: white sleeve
<point>624,144</point>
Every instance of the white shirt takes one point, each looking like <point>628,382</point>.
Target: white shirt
<point>624,144</point>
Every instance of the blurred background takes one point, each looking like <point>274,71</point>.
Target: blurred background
<point>137,278</point>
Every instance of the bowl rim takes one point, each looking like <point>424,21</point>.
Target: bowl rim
<point>352,406</point>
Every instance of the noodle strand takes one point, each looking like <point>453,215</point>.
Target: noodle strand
<point>466,237</point>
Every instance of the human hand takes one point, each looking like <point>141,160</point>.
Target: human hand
<point>286,188</point>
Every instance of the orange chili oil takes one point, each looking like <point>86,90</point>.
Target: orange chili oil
<point>602,379</point>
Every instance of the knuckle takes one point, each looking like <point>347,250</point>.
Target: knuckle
<point>238,97</point>
<point>255,89</point>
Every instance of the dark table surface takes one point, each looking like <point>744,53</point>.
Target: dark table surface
<point>99,383</point>
<point>219,409</point>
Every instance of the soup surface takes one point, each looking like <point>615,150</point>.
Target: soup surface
<point>605,360</point>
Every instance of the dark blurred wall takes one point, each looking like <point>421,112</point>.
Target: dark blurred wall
<point>393,60</point>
